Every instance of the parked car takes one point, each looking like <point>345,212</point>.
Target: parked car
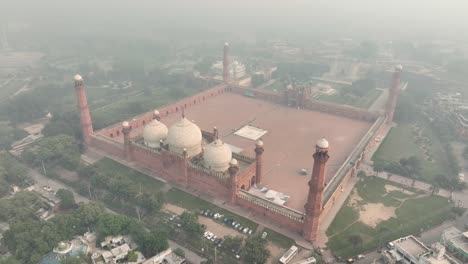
<point>250,231</point>
<point>264,235</point>
<point>360,257</point>
<point>245,230</point>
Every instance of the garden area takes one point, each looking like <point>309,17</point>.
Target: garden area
<point>413,140</point>
<point>379,211</point>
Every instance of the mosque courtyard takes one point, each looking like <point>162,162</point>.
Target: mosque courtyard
<point>289,137</point>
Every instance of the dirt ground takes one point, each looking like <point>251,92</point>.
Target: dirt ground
<point>289,142</point>
<point>372,214</point>
<point>216,228</point>
<point>391,188</point>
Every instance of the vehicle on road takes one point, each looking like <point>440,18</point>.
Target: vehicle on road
<point>289,255</point>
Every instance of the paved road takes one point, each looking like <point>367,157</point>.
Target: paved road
<point>55,185</point>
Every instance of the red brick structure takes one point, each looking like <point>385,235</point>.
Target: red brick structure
<point>83,109</point>
<point>123,141</point>
<point>313,207</point>
<point>258,157</point>
<point>393,94</point>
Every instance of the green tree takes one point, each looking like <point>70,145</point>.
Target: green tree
<point>179,252</point>
<point>231,243</point>
<point>67,199</point>
<point>9,260</point>
<point>132,256</point>
<point>59,149</point>
<point>255,250</point>
<point>153,243</point>
<point>189,221</point>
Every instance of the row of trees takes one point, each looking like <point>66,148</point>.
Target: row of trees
<point>60,149</point>
<point>120,188</point>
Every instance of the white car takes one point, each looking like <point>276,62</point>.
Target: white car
<point>209,236</point>
<point>264,235</point>
<point>206,234</point>
<point>213,238</point>
<point>245,230</point>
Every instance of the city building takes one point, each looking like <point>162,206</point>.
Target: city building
<point>456,242</point>
<point>64,249</point>
<point>226,145</point>
<point>409,250</point>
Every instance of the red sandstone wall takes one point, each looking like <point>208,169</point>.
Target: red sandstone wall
<point>315,105</point>
<point>335,195</point>
<point>138,123</point>
<point>245,176</point>
<point>106,145</point>
<point>277,218</point>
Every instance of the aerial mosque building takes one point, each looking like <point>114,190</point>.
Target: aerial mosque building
<point>247,150</point>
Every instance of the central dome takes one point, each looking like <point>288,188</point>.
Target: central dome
<point>153,133</point>
<point>184,135</point>
<point>217,156</point>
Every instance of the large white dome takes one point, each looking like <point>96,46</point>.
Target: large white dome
<point>184,135</point>
<point>153,133</point>
<point>217,156</point>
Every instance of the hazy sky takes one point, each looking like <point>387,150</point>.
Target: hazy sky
<point>438,16</point>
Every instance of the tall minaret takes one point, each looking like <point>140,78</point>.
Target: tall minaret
<point>313,207</point>
<point>258,157</point>
<point>393,94</point>
<point>233,169</point>
<point>127,143</point>
<point>85,116</point>
<point>226,65</point>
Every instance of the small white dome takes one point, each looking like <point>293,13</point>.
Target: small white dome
<point>233,162</point>
<point>125,124</point>
<point>259,143</point>
<point>153,133</point>
<point>184,134</point>
<point>78,77</point>
<point>217,156</point>
<point>322,143</point>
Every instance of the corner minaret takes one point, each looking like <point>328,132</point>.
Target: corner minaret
<point>233,169</point>
<point>85,116</point>
<point>258,156</point>
<point>127,143</point>
<point>313,207</point>
<point>393,94</point>
<point>226,65</point>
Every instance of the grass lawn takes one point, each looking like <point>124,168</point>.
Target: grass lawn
<point>193,203</point>
<point>109,166</point>
<point>359,102</point>
<point>401,143</point>
<point>279,239</point>
<point>412,216</point>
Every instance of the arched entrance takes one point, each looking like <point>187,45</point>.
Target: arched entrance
<point>252,181</point>
<point>243,187</point>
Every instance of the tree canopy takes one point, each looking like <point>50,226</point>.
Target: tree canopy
<point>255,250</point>
<point>67,199</point>
<point>60,149</point>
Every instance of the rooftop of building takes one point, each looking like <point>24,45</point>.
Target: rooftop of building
<point>411,246</point>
